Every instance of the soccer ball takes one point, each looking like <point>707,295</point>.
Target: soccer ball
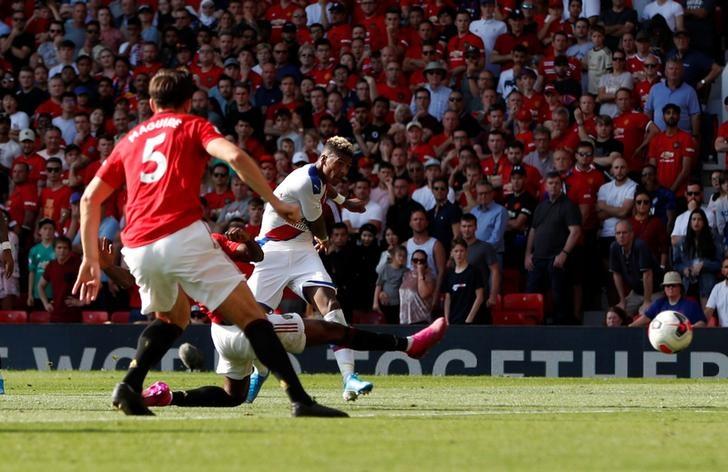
<point>670,332</point>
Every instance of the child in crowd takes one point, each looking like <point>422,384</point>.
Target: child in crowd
<point>463,287</point>
<point>386,294</point>
<point>40,255</point>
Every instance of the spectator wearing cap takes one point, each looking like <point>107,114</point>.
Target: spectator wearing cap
<point>488,28</point>
<point>553,236</point>
<point>340,32</point>
<point>425,194</point>
<point>146,18</point>
<point>520,205</point>
<point>505,43</point>
<point>36,164</point>
<point>633,269</point>
<point>674,300</point>
<point>700,69</point>
<point>618,20</point>
<point>373,213</point>
<point>435,73</point>
<point>492,218</point>
<point>131,49</point>
<point>674,90</point>
<point>9,149</point>
<point>416,147</point>
<point>670,10</point>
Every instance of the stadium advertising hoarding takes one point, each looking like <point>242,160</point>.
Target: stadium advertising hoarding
<point>511,351</point>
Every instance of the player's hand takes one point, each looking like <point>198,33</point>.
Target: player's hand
<point>288,211</point>
<point>8,263</point>
<point>354,205</point>
<point>322,245</point>
<point>106,254</point>
<point>237,235</point>
<point>88,282</point>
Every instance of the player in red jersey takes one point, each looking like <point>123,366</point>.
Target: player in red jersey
<point>672,152</point>
<point>236,358</point>
<point>167,246</point>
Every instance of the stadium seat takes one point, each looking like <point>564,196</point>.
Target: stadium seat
<point>519,309</point>
<point>120,317</point>
<point>368,317</point>
<point>39,317</point>
<point>13,316</point>
<point>95,317</point>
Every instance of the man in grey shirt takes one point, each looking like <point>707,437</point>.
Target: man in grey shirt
<point>483,257</point>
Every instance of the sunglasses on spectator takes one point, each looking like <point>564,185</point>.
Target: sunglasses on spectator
<point>650,66</point>
<point>53,170</point>
<point>417,260</point>
<point>617,58</point>
<point>456,99</point>
<point>439,188</point>
<point>585,154</point>
<point>218,174</point>
<point>692,194</point>
<point>55,30</point>
<point>642,202</point>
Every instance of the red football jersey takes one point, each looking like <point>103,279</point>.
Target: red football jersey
<point>669,152</point>
<point>24,197</point>
<point>52,202</point>
<point>582,188</point>
<point>162,162</point>
<point>629,129</point>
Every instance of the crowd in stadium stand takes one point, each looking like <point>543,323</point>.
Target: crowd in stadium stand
<point>502,146</point>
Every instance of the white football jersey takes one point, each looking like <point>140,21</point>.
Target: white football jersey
<point>304,187</point>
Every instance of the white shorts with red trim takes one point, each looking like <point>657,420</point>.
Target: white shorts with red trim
<point>190,259</point>
<point>295,269</point>
<point>236,355</point>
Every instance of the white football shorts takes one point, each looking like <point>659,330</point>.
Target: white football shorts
<point>189,258</point>
<point>294,269</point>
<point>236,355</point>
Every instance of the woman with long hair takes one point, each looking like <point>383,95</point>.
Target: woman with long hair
<point>699,256</point>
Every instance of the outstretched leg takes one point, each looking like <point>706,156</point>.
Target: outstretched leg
<point>324,298</point>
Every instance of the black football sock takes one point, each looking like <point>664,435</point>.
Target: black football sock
<point>270,352</point>
<point>153,344</point>
<point>204,396</point>
<point>361,340</point>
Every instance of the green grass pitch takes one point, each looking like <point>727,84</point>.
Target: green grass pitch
<point>57,421</point>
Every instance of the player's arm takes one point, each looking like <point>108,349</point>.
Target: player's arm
<point>249,172</point>
<point>248,249</point>
<point>120,276</point>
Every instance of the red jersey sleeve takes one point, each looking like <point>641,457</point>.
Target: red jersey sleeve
<point>228,247</point>
<point>112,169</point>
<point>207,132</point>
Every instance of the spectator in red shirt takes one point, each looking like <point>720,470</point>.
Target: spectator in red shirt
<point>392,87</point>
<point>55,197</point>
<point>61,273</point>
<point>52,106</point>
<point>649,227</point>
<point>561,135</point>
<point>462,43</point>
<point>417,149</point>
<point>206,72</point>
<point>23,200</point>
<point>221,194</point>
<point>721,141</point>
<point>633,129</point>
<point>506,42</point>
<point>150,63</point>
<point>496,166</point>
<point>672,152</point>
<point>36,164</point>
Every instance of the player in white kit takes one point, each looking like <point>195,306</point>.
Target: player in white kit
<point>291,259</point>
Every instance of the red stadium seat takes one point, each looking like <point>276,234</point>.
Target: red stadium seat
<point>13,316</point>
<point>120,317</point>
<point>95,317</point>
<point>520,309</point>
<point>40,317</point>
<point>368,317</point>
